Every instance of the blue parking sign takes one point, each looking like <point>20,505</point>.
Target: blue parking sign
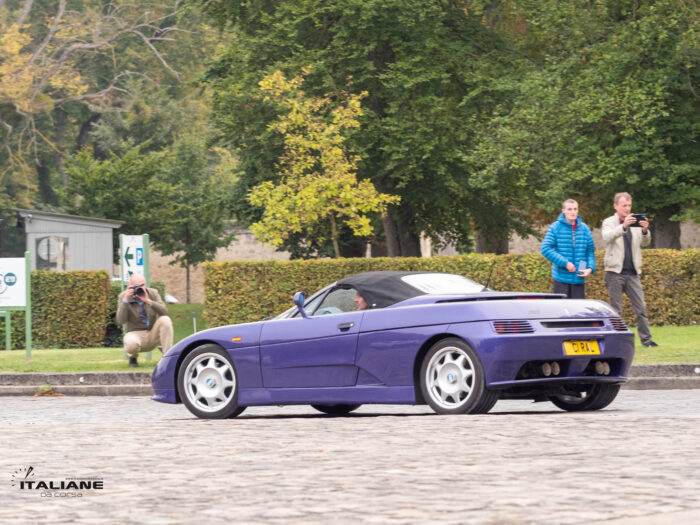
<point>139,256</point>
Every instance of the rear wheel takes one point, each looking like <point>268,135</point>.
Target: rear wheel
<point>452,379</point>
<point>336,410</point>
<point>207,383</point>
<point>592,397</point>
<point>487,402</point>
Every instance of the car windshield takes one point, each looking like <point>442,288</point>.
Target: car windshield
<point>442,283</point>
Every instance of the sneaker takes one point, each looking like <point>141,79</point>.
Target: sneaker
<point>650,343</point>
<point>133,361</point>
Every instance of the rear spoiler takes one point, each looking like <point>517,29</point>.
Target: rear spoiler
<point>501,296</point>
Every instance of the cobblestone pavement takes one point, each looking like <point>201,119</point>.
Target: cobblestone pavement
<point>636,462</point>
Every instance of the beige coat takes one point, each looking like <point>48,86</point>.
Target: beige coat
<point>128,313</point>
<point>615,245</point>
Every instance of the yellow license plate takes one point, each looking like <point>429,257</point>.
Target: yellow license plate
<point>581,348</point>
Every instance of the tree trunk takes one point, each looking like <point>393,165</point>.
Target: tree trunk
<point>61,119</point>
<point>334,237</point>
<point>85,128</point>
<point>490,244</point>
<point>392,240</point>
<point>409,241</point>
<point>187,284</point>
<point>664,232</point>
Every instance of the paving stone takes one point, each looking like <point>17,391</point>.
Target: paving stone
<point>524,463</point>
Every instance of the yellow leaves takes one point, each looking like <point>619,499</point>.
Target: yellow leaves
<point>21,73</point>
<point>318,173</point>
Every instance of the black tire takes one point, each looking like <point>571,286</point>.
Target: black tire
<point>237,412</point>
<point>594,397</point>
<point>336,410</point>
<point>208,384</point>
<point>487,402</point>
<point>452,379</point>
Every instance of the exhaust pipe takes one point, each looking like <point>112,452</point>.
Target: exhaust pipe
<point>546,369</point>
<point>556,369</point>
<point>602,368</point>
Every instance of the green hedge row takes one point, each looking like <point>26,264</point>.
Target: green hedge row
<point>238,292</point>
<point>69,309</point>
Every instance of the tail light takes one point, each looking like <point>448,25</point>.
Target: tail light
<point>618,324</point>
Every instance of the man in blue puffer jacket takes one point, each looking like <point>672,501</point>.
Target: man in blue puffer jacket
<point>569,245</point>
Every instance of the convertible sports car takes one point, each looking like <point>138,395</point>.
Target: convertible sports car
<point>405,338</point>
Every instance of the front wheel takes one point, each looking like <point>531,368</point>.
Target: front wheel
<point>591,397</point>
<point>207,383</point>
<point>336,410</point>
<point>452,379</point>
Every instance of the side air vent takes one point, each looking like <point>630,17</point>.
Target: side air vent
<point>618,324</point>
<point>513,327</point>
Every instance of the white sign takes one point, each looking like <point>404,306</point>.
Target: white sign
<point>13,282</point>
<point>131,256</point>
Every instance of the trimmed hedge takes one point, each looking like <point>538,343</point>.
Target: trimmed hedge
<point>69,309</point>
<point>238,292</point>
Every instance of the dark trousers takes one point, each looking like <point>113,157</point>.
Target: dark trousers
<point>572,291</point>
<point>631,285</point>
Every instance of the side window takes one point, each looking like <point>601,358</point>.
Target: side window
<point>336,302</point>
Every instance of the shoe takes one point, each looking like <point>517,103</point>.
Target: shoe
<point>650,344</point>
<point>133,362</point>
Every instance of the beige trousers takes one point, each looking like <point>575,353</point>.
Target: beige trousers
<point>161,333</point>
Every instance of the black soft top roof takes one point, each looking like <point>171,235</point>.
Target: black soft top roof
<point>382,288</point>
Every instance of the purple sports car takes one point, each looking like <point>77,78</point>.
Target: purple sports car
<point>405,338</point>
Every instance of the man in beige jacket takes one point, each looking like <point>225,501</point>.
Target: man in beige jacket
<point>146,318</point>
<point>624,237</point>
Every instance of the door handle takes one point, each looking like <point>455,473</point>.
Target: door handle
<point>346,326</point>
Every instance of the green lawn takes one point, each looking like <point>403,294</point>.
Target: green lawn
<point>99,359</point>
<point>181,314</point>
<point>677,344</point>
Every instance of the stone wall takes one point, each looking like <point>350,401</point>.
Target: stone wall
<point>690,238</point>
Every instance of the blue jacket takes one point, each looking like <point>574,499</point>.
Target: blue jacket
<point>562,245</point>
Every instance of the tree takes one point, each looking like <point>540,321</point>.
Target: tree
<point>608,102</point>
<point>127,187</point>
<point>199,210</point>
<point>432,73</point>
<point>318,180</point>
<point>48,69</point>
<point>179,196</point>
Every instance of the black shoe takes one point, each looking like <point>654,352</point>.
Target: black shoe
<point>650,343</point>
<point>133,361</point>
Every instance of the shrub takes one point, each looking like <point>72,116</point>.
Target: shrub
<point>244,291</point>
<point>68,310</point>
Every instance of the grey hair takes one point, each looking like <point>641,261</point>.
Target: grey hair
<point>568,201</point>
<point>622,195</point>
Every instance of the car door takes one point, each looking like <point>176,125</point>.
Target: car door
<point>314,352</point>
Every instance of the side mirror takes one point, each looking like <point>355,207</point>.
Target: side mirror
<point>299,299</point>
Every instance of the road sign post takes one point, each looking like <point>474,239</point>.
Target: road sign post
<point>133,259</point>
<point>16,295</point>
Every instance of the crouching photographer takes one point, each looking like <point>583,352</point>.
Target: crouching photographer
<point>146,318</point>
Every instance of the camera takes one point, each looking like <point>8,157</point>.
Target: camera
<point>139,290</point>
<point>639,217</point>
